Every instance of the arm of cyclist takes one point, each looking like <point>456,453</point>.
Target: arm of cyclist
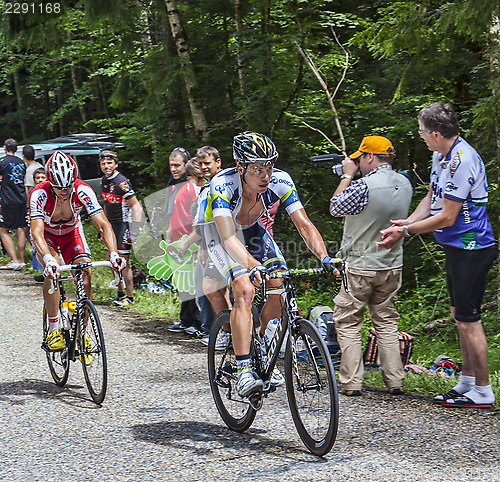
<point>311,236</point>
<point>108,238</point>
<point>42,248</point>
<point>236,249</point>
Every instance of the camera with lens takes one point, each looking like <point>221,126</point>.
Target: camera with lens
<point>336,168</point>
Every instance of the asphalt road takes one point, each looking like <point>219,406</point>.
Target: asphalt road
<point>159,422</point>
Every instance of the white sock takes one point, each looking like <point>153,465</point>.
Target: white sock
<point>464,384</point>
<point>481,394</point>
<point>53,326</point>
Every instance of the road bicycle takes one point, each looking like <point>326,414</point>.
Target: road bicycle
<point>309,374</point>
<point>82,333</point>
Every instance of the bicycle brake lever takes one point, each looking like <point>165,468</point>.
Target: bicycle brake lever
<point>53,289</point>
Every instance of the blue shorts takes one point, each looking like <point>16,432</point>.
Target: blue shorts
<point>466,276</point>
<point>258,242</point>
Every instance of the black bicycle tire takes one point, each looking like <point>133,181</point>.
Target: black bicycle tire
<point>322,445</point>
<point>98,348</point>
<point>55,357</point>
<point>238,424</point>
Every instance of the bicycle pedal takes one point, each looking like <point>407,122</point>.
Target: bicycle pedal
<point>46,348</point>
<point>256,400</point>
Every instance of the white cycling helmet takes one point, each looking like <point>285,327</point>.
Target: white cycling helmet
<point>61,170</point>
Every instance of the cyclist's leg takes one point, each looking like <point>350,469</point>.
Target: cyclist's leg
<point>51,300</point>
<point>54,339</point>
<point>241,314</point>
<point>262,246</point>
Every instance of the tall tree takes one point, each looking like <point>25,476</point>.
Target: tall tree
<point>179,35</point>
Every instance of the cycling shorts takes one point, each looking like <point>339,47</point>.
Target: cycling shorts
<point>71,246</point>
<point>257,241</point>
<point>466,276</point>
<point>123,239</point>
<point>13,216</point>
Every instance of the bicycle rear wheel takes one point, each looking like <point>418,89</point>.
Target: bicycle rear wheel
<point>236,412</point>
<point>312,389</point>
<point>93,353</point>
<point>57,360</point>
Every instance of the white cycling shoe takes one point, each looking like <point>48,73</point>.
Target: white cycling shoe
<point>277,378</point>
<point>248,383</point>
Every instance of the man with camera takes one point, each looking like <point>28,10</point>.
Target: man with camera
<point>367,205</point>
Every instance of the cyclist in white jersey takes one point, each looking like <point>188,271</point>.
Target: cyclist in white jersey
<point>241,249</point>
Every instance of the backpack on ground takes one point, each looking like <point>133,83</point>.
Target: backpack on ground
<point>322,317</point>
<point>371,355</point>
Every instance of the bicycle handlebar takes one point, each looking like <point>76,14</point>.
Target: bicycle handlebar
<point>84,265</point>
<point>294,273</point>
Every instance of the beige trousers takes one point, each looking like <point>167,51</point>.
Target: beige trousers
<point>378,291</point>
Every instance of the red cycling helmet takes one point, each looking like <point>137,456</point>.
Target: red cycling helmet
<point>61,170</point>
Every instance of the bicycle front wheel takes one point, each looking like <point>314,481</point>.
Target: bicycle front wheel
<point>311,388</point>
<point>58,360</point>
<point>93,353</point>
<point>236,412</point>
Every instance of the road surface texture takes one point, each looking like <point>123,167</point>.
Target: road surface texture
<point>159,422</point>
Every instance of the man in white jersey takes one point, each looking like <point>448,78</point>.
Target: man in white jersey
<point>240,247</point>
<point>455,210</point>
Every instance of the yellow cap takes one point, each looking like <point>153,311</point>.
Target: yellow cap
<point>376,144</point>
<point>72,307</point>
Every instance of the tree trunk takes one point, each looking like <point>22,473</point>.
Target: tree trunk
<point>239,46</point>
<point>495,74</point>
<point>179,36</point>
<point>20,104</point>
<point>76,87</point>
<point>60,122</point>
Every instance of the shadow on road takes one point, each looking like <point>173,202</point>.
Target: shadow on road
<point>203,438</point>
<point>18,392</point>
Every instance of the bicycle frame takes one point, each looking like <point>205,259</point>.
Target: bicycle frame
<point>81,296</point>
<point>290,312</point>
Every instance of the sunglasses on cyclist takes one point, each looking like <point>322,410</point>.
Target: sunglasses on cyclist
<point>108,156</point>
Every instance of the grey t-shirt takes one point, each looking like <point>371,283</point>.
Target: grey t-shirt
<point>28,178</point>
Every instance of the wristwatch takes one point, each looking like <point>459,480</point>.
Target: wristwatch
<point>348,176</point>
<point>405,229</point>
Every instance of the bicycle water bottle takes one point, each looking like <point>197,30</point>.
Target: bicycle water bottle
<point>300,349</point>
<point>64,315</point>
<point>272,326</point>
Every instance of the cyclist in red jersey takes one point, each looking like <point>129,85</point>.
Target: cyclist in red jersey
<point>57,231</point>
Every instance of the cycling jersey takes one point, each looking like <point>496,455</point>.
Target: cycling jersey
<point>115,192</point>
<point>223,198</point>
<point>43,204</point>
<point>461,176</point>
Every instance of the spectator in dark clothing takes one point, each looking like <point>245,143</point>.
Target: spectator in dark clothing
<point>13,194</point>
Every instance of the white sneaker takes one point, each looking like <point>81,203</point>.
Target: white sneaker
<point>11,265</point>
<point>19,266</point>
<point>277,378</point>
<point>205,340</point>
<point>223,339</point>
<point>248,383</point>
